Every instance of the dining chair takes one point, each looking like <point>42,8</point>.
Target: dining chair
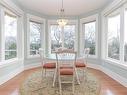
<point>82,65</point>
<point>66,68</point>
<point>47,65</point>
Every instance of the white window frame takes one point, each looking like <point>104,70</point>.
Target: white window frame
<point>70,22</point>
<point>87,20</point>
<point>111,10</point>
<point>11,8</point>
<point>111,15</point>
<point>42,37</point>
<point>10,13</point>
<point>124,9</point>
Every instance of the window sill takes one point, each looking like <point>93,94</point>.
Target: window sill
<point>33,56</point>
<point>117,63</point>
<point>8,62</point>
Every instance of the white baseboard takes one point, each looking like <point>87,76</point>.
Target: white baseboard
<point>32,66</point>
<point>113,75</point>
<point>94,66</point>
<point>11,75</point>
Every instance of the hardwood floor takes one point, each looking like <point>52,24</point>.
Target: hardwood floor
<point>108,85</point>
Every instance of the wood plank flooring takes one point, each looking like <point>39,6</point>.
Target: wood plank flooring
<point>108,85</point>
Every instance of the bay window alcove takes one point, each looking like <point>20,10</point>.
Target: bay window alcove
<point>24,29</point>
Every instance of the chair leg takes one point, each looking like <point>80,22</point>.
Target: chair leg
<point>77,76</point>
<point>54,77</point>
<point>45,72</point>
<point>60,89</point>
<point>73,85</point>
<point>42,75</point>
<point>85,74</point>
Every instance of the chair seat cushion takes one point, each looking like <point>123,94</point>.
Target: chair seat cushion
<point>50,65</point>
<point>66,67</point>
<point>80,64</point>
<point>66,71</point>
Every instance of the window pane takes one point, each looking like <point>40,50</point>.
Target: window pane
<point>10,36</point>
<point>69,36</point>
<point>56,40</point>
<point>125,37</point>
<point>114,37</point>
<point>90,36</point>
<point>35,43</point>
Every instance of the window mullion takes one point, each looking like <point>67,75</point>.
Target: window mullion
<point>2,36</point>
<point>28,38</point>
<point>122,35</point>
<point>62,36</point>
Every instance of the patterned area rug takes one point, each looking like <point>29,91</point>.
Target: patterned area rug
<point>35,85</point>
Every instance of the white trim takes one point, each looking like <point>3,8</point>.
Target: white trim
<point>2,34</point>
<point>31,66</point>
<point>33,56</point>
<point>10,62</point>
<point>35,18</point>
<point>94,66</point>
<point>11,6</point>
<point>125,10</point>
<point>113,75</point>
<point>11,75</point>
<point>113,6</point>
<point>117,63</point>
<point>42,35</point>
<point>87,20</point>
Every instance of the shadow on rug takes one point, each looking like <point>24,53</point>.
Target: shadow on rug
<point>35,85</point>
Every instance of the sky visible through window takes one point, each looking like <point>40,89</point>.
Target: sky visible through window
<point>10,36</point>
<point>113,27</point>
<point>10,26</point>
<point>35,41</point>
<point>90,36</point>
<point>114,37</point>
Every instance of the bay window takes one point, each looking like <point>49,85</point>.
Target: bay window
<point>10,31</point>
<point>114,37</point>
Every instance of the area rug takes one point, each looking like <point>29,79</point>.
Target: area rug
<point>36,85</point>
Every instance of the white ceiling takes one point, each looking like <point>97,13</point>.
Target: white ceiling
<point>72,7</point>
